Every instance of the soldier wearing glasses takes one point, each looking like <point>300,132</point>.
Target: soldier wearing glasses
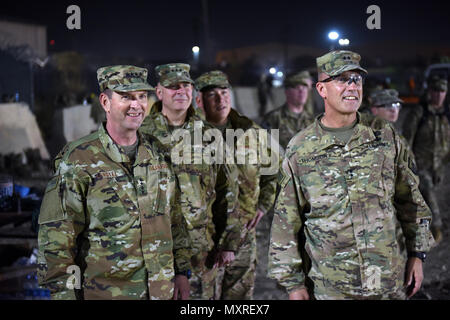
<point>349,201</point>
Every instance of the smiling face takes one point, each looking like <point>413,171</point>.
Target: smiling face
<point>340,98</point>
<point>125,111</point>
<point>217,105</point>
<point>175,98</point>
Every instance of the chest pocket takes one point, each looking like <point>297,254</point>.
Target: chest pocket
<point>156,194</point>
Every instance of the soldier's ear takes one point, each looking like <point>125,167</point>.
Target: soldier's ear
<point>158,91</point>
<point>199,101</point>
<point>105,102</point>
<point>321,89</point>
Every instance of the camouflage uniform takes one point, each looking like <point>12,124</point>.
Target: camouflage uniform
<point>355,208</point>
<point>200,184</point>
<point>428,133</point>
<point>288,122</point>
<point>256,191</point>
<point>110,217</point>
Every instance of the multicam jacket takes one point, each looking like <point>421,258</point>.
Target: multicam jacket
<point>428,133</point>
<point>114,220</point>
<point>198,181</point>
<point>256,190</point>
<point>288,122</point>
<point>357,209</point>
<point>376,122</point>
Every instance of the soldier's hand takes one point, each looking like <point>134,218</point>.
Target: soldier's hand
<point>254,222</point>
<point>414,276</point>
<point>300,294</point>
<point>181,289</point>
<point>224,258</point>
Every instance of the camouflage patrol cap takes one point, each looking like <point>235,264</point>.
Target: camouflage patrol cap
<point>336,62</point>
<point>384,97</point>
<point>437,84</point>
<point>214,78</point>
<point>297,78</point>
<point>123,78</point>
<point>173,73</point>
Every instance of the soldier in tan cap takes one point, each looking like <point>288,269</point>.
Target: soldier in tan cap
<point>108,212</point>
<point>256,192</point>
<point>349,201</point>
<point>201,184</point>
<point>427,129</point>
<point>297,113</point>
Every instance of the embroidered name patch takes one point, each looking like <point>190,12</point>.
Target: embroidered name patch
<point>319,157</point>
<point>158,166</point>
<point>108,174</point>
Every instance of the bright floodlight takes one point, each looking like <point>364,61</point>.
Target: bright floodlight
<point>333,35</point>
<point>344,42</point>
<point>195,49</point>
<point>279,74</point>
<point>272,70</point>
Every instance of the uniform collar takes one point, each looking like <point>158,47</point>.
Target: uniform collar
<point>288,113</point>
<point>362,134</point>
<point>435,111</point>
<point>114,151</point>
<point>239,121</point>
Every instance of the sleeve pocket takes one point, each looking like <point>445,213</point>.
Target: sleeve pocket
<point>51,207</point>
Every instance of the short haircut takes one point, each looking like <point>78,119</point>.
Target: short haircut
<point>108,92</point>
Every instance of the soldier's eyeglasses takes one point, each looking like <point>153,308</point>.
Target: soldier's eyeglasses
<point>347,79</point>
<point>393,106</point>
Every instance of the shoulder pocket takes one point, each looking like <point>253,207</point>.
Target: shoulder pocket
<point>51,207</point>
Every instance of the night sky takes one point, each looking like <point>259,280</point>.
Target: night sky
<point>166,30</point>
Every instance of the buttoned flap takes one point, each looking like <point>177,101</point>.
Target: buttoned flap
<point>111,201</point>
<point>51,207</point>
<point>156,190</point>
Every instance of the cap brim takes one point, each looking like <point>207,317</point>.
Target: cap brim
<point>222,85</point>
<point>347,67</point>
<point>132,87</point>
<point>295,83</point>
<point>172,81</point>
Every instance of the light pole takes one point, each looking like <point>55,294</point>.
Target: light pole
<point>196,53</point>
<point>332,35</point>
